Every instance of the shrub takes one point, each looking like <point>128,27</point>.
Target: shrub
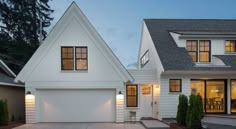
<point>4,115</point>
<point>12,118</point>
<point>199,102</point>
<point>182,110</point>
<point>1,112</point>
<point>194,115</point>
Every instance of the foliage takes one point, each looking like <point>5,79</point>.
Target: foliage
<point>20,29</point>
<point>182,110</point>
<point>4,114</point>
<point>12,117</point>
<point>194,115</point>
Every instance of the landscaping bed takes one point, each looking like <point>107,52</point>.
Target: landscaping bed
<point>11,125</point>
<point>176,126</point>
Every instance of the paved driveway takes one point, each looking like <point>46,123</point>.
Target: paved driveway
<point>82,126</point>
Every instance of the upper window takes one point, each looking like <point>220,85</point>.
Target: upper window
<point>145,58</point>
<point>132,95</point>
<point>74,58</point>
<point>200,51</point>
<point>230,46</point>
<point>81,58</point>
<point>204,51</point>
<point>175,85</point>
<point>67,58</point>
<point>191,47</point>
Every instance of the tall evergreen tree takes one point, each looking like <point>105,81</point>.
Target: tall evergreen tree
<point>20,28</point>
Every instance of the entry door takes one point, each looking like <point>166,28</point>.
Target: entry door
<point>146,101</point>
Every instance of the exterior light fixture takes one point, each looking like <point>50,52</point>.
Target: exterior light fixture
<point>29,107</point>
<point>120,96</point>
<point>28,92</point>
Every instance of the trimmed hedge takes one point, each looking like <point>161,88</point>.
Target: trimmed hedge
<point>182,110</point>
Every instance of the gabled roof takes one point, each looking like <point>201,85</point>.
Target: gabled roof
<point>7,76</point>
<point>177,58</point>
<point>75,12</point>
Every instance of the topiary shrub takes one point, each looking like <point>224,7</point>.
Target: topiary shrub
<point>182,110</point>
<point>194,115</point>
<point>199,102</point>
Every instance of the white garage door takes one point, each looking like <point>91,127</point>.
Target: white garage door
<point>77,105</point>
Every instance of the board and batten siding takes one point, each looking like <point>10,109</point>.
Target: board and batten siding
<point>169,100</point>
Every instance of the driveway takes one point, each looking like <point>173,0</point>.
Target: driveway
<point>82,126</point>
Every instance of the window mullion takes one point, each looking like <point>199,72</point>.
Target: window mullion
<point>74,56</point>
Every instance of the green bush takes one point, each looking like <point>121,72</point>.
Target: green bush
<point>1,112</point>
<point>182,110</point>
<point>194,115</point>
<point>4,115</point>
<point>12,118</point>
<point>200,106</point>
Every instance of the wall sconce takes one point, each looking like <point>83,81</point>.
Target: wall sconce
<point>29,107</point>
<point>120,96</point>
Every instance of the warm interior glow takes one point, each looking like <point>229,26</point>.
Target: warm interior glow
<point>120,96</point>
<point>233,96</point>
<point>214,100</point>
<point>29,97</point>
<point>146,89</point>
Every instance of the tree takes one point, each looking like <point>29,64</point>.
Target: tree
<point>193,119</point>
<point>182,110</point>
<point>20,29</point>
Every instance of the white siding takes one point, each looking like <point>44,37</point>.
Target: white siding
<point>169,101</point>
<point>144,76</point>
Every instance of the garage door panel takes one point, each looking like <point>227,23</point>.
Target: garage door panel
<point>77,105</point>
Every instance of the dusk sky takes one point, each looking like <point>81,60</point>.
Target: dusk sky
<point>119,22</point>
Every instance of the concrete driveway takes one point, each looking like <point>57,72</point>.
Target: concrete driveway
<point>82,126</point>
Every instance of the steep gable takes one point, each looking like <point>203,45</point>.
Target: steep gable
<point>73,29</point>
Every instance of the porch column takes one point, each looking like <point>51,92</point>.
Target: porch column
<point>119,106</point>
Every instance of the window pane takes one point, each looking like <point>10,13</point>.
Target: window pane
<point>233,96</point>
<point>81,64</point>
<point>67,52</point>
<point>175,85</point>
<point>81,58</point>
<point>204,57</point>
<point>198,88</point>
<point>67,64</point>
<point>78,50</point>
<point>84,50</point>
<point>230,46</point>
<point>131,96</point>
<point>215,96</point>
<point>146,89</point>
<point>193,56</point>
<point>131,101</point>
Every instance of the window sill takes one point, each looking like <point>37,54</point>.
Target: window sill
<point>74,71</point>
<point>132,108</point>
<point>175,93</point>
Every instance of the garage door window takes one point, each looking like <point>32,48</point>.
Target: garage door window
<point>132,96</point>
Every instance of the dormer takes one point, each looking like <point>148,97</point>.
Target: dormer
<point>203,46</point>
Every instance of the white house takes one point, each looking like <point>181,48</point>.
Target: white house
<point>75,77</point>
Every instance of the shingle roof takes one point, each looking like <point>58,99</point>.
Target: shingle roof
<point>177,58</point>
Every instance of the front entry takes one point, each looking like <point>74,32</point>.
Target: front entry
<point>146,101</point>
